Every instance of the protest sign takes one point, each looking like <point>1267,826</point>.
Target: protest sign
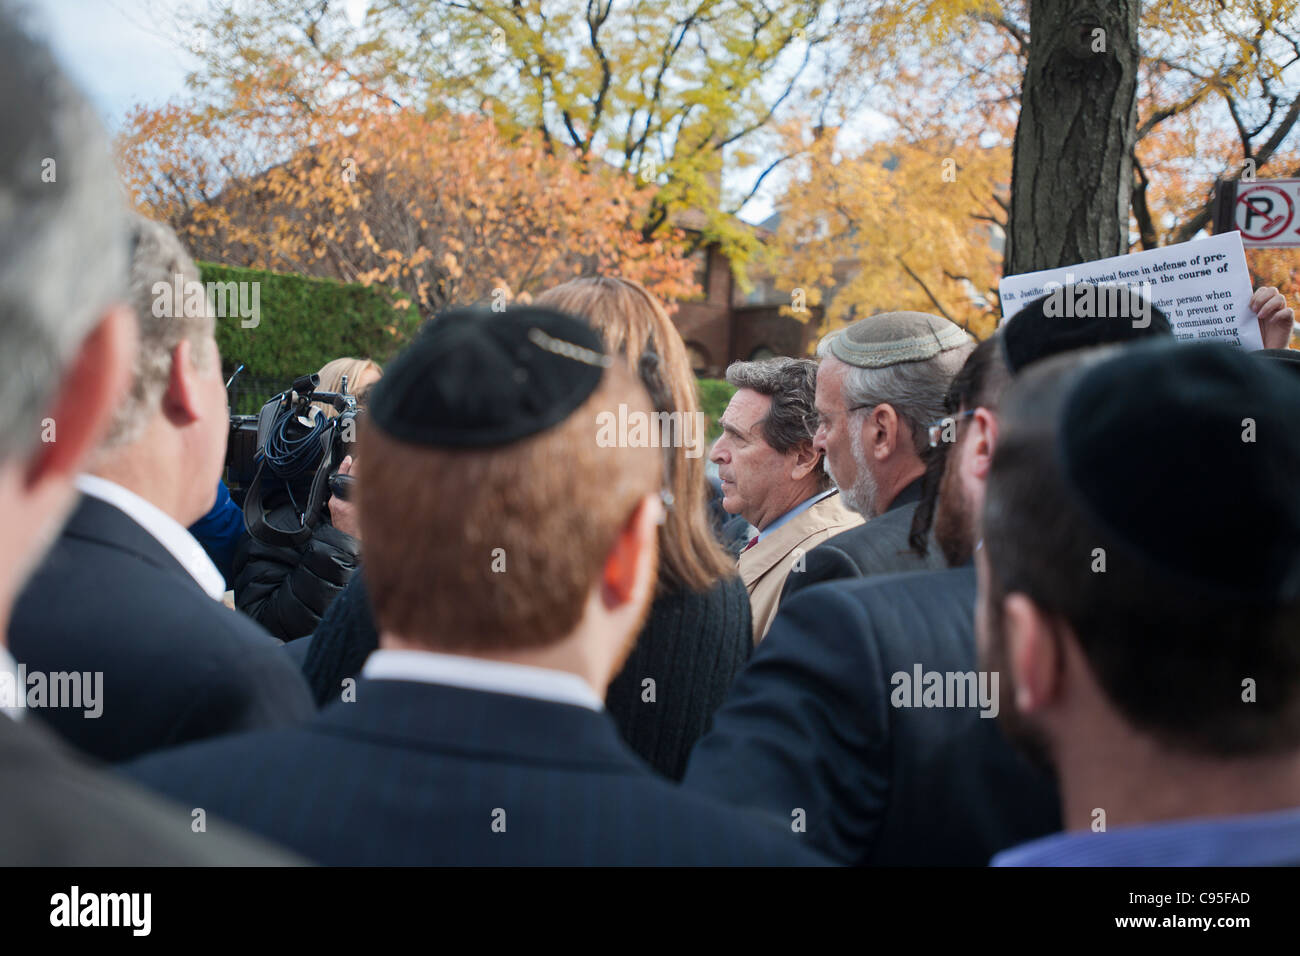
<point>1202,287</point>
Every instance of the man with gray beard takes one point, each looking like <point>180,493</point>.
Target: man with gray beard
<point>814,721</point>
<point>880,781</point>
<point>880,386</point>
<point>817,722</point>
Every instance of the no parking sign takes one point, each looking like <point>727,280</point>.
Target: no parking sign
<point>1267,212</point>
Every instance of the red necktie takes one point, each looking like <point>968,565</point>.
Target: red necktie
<point>752,541</point>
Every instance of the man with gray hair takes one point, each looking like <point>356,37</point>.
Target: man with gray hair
<point>773,476</point>
<point>880,389</point>
<point>126,591</point>
<point>66,341</point>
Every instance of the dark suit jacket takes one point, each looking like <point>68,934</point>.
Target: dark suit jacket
<point>877,547</point>
<point>177,665</point>
<point>418,774</point>
<point>810,723</point>
<point>57,811</point>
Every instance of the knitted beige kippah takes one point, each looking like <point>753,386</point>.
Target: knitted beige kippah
<point>891,338</point>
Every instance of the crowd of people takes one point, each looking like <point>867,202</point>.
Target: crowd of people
<point>1031,601</point>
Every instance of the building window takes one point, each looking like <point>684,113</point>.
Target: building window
<point>762,292</point>
<point>700,257</point>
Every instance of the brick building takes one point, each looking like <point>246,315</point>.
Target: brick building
<point>728,325</point>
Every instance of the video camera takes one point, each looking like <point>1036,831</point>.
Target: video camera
<point>286,459</point>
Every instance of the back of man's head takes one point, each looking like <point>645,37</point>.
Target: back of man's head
<point>489,506</point>
<point>1115,315</point>
<point>950,499</point>
<point>65,333</point>
<point>1035,334</point>
<point>1106,508</point>
<point>170,307</point>
<point>63,247</point>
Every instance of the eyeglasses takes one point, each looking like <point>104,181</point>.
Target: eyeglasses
<point>813,422</point>
<point>939,430</point>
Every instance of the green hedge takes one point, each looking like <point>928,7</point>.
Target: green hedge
<point>714,396</point>
<point>303,323</point>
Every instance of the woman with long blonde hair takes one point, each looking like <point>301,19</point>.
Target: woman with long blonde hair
<point>698,634</point>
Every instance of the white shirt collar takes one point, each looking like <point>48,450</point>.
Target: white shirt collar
<point>9,672</point>
<point>475,673</point>
<point>163,527</point>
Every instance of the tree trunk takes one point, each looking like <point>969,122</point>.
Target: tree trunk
<point>1072,169</point>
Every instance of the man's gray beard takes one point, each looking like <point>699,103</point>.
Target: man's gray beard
<point>862,496</point>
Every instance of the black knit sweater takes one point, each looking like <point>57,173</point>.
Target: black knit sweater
<point>692,646</point>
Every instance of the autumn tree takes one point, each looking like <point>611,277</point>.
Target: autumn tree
<point>443,208</point>
<point>1216,96</point>
<point>676,92</point>
<point>903,225</point>
<point>669,91</point>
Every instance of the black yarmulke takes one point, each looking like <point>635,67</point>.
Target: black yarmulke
<point>1154,443</point>
<point>1031,334</point>
<point>474,378</point>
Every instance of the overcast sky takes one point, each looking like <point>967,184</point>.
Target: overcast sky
<point>122,52</point>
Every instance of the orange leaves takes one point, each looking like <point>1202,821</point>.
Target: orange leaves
<point>901,225</point>
<point>445,208</point>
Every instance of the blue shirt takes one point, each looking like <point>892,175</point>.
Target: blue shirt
<point>1257,839</point>
<point>219,532</point>
<point>797,509</point>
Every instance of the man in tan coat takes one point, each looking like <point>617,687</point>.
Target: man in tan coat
<point>773,476</point>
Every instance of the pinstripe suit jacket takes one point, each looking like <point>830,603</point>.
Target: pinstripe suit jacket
<point>177,665</point>
<point>813,722</point>
<point>427,774</point>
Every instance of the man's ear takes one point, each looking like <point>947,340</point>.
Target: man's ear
<point>1032,653</point>
<point>632,563</point>
<point>181,399</point>
<point>983,439</point>
<point>90,394</point>
<point>807,459</point>
<point>882,431</point>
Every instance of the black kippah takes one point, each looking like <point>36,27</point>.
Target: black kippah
<point>1031,334</point>
<point>1189,455</point>
<point>474,378</point>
